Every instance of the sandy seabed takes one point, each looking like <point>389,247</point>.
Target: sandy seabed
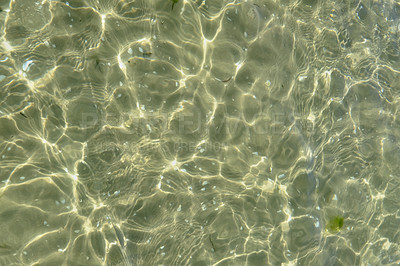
<point>210,133</point>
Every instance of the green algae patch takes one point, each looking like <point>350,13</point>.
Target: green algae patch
<point>173,3</point>
<point>335,224</point>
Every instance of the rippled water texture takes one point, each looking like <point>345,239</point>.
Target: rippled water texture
<point>224,132</point>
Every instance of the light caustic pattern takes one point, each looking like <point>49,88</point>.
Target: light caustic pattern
<point>210,133</point>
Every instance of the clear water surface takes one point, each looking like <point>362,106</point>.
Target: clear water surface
<point>207,132</point>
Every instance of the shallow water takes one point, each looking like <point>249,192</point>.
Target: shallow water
<point>211,133</point>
